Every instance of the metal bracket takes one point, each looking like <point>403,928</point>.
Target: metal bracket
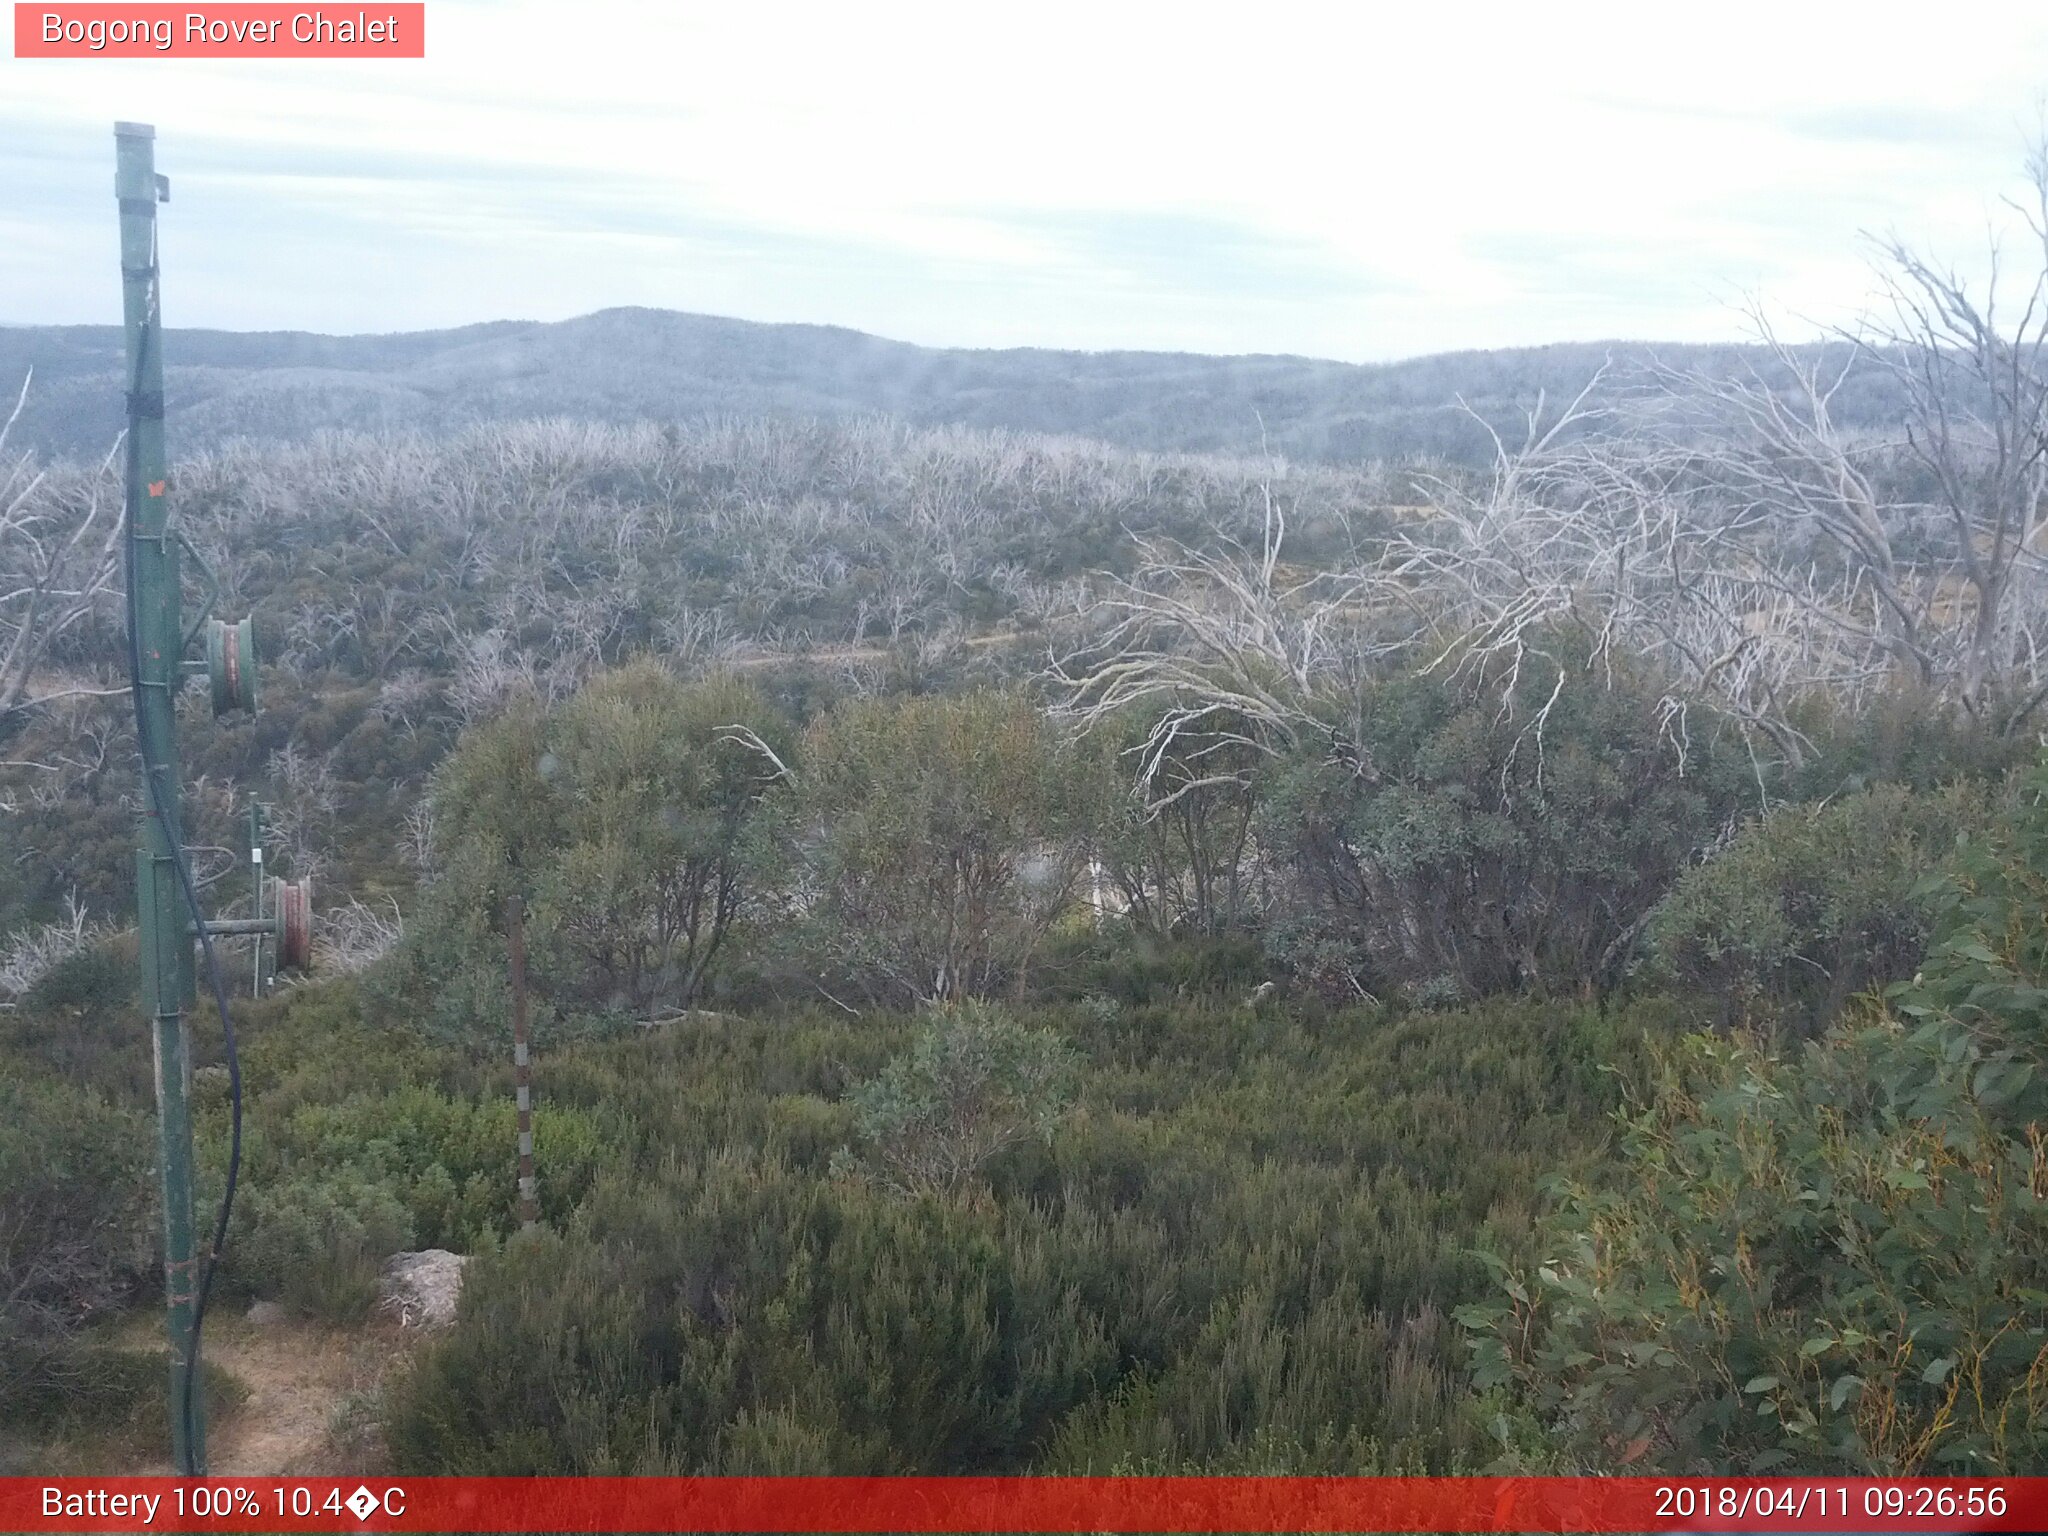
<point>212,589</point>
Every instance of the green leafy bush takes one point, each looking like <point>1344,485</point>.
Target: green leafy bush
<point>74,1224</point>
<point>81,1022</point>
<point>940,840</point>
<point>1901,737</point>
<point>349,1156</point>
<point>1267,1389</point>
<point>97,979</point>
<point>445,1162</point>
<point>1829,1261</point>
<point>1478,846</point>
<point>1805,909</point>
<point>106,1406</point>
<point>974,1082</point>
<point>1178,850</point>
<point>659,784</point>
<point>743,1317</point>
<point>1247,1199</point>
<point>628,818</point>
<point>316,1242</point>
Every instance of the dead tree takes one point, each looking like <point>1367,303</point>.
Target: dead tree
<point>1223,650</point>
<point>59,544</point>
<point>1977,426</point>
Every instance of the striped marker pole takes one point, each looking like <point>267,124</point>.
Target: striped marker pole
<point>529,1199</point>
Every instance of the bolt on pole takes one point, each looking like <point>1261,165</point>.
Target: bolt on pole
<point>153,596</point>
<point>515,933</point>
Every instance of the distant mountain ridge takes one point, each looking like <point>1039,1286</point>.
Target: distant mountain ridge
<point>639,364</point>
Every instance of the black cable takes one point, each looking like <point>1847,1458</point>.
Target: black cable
<point>174,836</point>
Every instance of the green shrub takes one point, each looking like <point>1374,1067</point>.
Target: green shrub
<point>940,840</point>
<point>1905,738</point>
<point>95,1389</point>
<point>973,1083</point>
<point>349,1157</point>
<point>1342,1389</point>
<point>629,819</point>
<point>104,1407</point>
<point>1805,909</point>
<point>82,1021</point>
<point>1179,852</point>
<point>1124,963</point>
<point>1237,1197</point>
<point>1482,846</point>
<point>448,979</point>
<point>74,1224</point>
<point>446,1163</point>
<point>1834,1261</point>
<point>741,1312</point>
<point>316,1242</point>
<point>661,845</point>
<point>98,979</point>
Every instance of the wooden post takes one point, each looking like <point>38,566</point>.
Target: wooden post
<point>515,929</point>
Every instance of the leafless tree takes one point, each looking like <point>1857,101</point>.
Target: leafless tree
<point>386,625</point>
<point>1978,428</point>
<point>408,698</point>
<point>355,936</point>
<point>416,841</point>
<point>304,799</point>
<point>1224,647</point>
<point>490,671</point>
<point>59,540</point>
<point>30,953</point>
<point>1724,527</point>
<point>1910,558</point>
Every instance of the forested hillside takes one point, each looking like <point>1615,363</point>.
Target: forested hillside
<point>627,365</point>
<point>1054,955</point>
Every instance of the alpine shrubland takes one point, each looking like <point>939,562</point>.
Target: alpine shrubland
<point>1049,957</point>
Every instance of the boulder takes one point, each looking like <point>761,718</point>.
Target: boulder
<point>421,1289</point>
<point>265,1314</point>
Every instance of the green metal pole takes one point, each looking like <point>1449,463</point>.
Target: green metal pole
<point>166,942</point>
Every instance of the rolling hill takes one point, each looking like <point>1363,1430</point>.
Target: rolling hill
<point>636,364</point>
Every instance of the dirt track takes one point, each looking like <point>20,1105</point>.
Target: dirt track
<point>307,1387</point>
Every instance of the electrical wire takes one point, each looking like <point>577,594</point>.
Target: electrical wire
<point>173,835</point>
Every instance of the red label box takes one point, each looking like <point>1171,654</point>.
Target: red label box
<point>954,1506</point>
<point>373,30</point>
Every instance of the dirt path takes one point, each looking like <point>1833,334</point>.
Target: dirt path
<point>309,1392</point>
<point>310,1389</point>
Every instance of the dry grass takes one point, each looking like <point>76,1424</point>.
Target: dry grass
<point>304,1394</point>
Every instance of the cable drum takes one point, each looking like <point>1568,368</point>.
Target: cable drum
<point>231,664</point>
<point>294,923</point>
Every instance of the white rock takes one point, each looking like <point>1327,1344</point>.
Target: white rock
<point>421,1289</point>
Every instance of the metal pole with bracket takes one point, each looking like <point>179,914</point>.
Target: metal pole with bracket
<point>154,602</point>
<point>166,896</point>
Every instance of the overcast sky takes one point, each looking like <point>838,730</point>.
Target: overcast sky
<point>1362,180</point>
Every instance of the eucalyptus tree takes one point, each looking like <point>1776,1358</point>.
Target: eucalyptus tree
<point>940,840</point>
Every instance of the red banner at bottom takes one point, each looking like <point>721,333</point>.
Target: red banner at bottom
<point>1019,1504</point>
